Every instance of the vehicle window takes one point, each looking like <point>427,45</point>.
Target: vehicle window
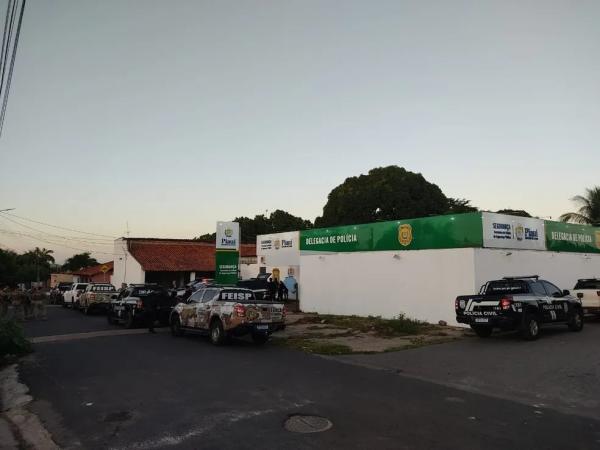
<point>587,284</point>
<point>209,294</point>
<point>551,290</point>
<point>145,291</point>
<point>537,288</point>
<point>196,297</point>
<point>81,287</point>
<point>507,287</point>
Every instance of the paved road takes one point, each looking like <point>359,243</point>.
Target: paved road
<point>153,391</point>
<point>561,370</point>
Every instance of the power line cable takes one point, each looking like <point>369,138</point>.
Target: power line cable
<point>6,42</point>
<point>12,66</point>
<point>56,226</point>
<point>94,241</point>
<point>4,35</point>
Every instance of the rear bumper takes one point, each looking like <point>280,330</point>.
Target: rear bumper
<point>499,321</point>
<point>257,328</point>
<point>592,310</point>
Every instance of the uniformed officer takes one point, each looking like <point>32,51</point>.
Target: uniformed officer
<point>38,304</point>
<point>28,305</point>
<point>18,298</point>
<point>150,311</point>
<point>4,302</point>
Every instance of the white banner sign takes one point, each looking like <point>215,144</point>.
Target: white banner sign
<point>228,236</point>
<point>279,248</point>
<point>502,231</point>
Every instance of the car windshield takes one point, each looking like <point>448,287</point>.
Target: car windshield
<point>506,287</point>
<point>587,284</point>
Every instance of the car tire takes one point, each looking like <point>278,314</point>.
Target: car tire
<point>530,329</point>
<point>109,318</point>
<point>575,323</point>
<point>129,319</point>
<point>64,305</point>
<point>482,332</point>
<point>217,334</point>
<point>260,338</point>
<point>176,329</point>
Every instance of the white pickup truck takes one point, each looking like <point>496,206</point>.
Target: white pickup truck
<point>588,291</point>
<point>71,297</point>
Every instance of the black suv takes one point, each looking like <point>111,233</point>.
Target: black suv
<point>129,307</point>
<point>518,303</point>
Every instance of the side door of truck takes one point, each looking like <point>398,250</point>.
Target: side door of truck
<point>556,299</point>
<point>188,311</point>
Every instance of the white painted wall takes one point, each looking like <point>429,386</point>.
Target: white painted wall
<point>562,269</point>
<point>249,271</point>
<point>126,268</point>
<point>421,284</point>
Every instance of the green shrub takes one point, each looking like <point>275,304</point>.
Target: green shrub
<point>12,339</point>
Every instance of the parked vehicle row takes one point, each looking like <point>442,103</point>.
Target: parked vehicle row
<point>522,303</point>
<point>219,311</point>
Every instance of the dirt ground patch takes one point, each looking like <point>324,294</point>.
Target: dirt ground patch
<point>338,335</point>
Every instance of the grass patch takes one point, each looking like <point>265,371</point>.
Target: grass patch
<point>12,340</point>
<point>314,346</point>
<point>398,326</point>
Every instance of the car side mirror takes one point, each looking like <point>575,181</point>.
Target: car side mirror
<point>566,292</point>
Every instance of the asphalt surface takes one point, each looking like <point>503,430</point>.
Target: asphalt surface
<point>154,391</point>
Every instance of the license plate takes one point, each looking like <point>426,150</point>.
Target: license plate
<point>482,320</point>
<point>262,327</point>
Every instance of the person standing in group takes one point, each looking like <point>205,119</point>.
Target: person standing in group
<point>150,311</point>
<point>272,289</point>
<point>282,292</point>
<point>18,298</point>
<point>4,302</point>
<point>38,305</point>
<point>28,304</point>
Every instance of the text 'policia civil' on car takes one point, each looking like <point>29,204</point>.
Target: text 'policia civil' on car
<point>223,312</point>
<point>518,303</point>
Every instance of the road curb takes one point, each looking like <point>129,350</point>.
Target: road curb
<point>14,398</point>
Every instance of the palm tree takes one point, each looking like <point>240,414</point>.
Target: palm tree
<point>589,208</point>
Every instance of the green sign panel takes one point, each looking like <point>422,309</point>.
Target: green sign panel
<point>227,266</point>
<point>452,231</point>
<point>569,237</point>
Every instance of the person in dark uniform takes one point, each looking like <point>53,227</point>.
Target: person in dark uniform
<point>282,292</point>
<point>272,289</point>
<point>150,311</point>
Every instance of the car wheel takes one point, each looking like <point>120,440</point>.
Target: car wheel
<point>260,338</point>
<point>176,329</point>
<point>482,332</point>
<point>217,334</point>
<point>575,323</point>
<point>109,317</point>
<point>64,305</point>
<point>530,330</point>
<point>128,320</point>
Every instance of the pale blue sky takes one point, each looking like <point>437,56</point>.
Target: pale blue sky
<point>173,115</point>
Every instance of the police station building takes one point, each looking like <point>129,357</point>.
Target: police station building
<point>419,266</point>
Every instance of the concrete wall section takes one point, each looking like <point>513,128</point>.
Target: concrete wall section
<point>562,269</point>
<point>421,284</point>
<point>126,268</point>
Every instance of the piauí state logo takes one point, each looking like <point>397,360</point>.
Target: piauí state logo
<point>405,235</point>
<point>228,232</point>
<point>519,232</point>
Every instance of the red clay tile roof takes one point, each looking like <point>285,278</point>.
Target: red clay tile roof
<point>94,270</point>
<point>178,255</point>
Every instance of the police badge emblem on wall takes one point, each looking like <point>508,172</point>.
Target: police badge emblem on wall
<point>405,234</point>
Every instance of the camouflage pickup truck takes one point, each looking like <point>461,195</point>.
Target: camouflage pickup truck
<point>223,311</point>
<point>97,297</point>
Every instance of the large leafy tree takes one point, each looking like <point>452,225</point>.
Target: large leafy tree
<point>514,212</point>
<point>79,261</point>
<point>386,193</point>
<point>278,221</point>
<point>589,208</point>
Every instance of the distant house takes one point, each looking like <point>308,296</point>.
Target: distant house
<point>164,261</point>
<point>56,278</point>
<point>101,273</point>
